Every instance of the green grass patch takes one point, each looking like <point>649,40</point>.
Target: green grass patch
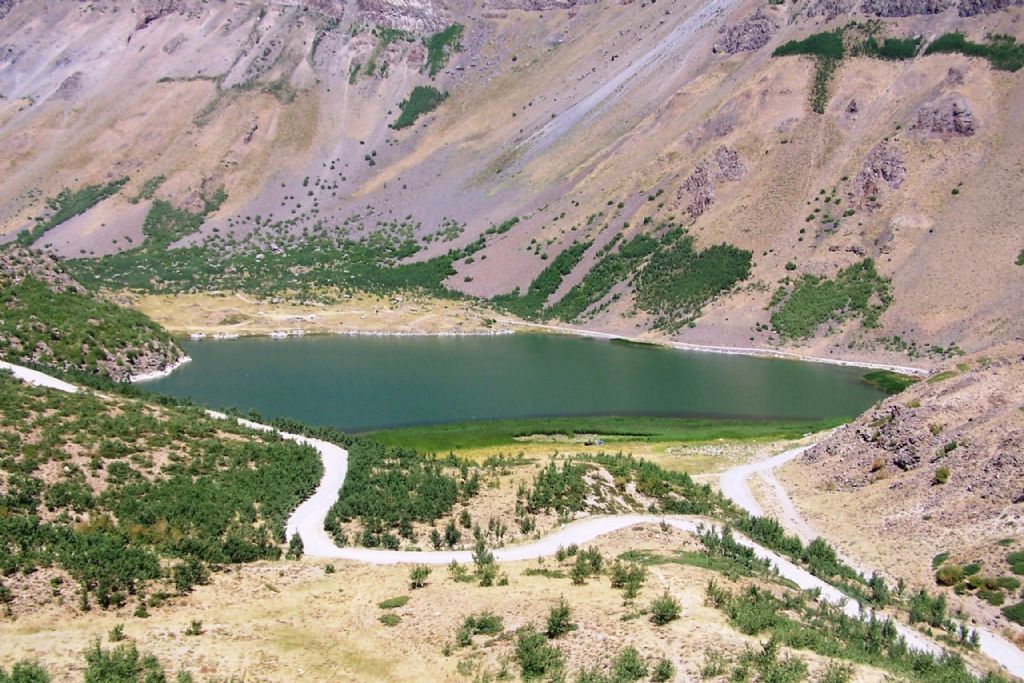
<point>546,573</point>
<point>68,204</point>
<point>441,46</point>
<point>422,100</point>
<point>393,603</point>
<point>390,619</point>
<point>148,189</point>
<point>939,559</point>
<point>443,438</point>
<point>1002,51</point>
<point>896,49</point>
<point>857,291</point>
<point>940,376</point>
<point>888,381</point>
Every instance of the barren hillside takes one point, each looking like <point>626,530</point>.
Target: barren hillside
<point>289,149</point>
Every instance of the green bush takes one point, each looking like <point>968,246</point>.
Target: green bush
<point>25,672</point>
<point>628,665</point>
<point>441,46</point>
<point>390,619</point>
<point>392,603</point>
<point>664,670</point>
<point>664,609</point>
<point>535,657</point>
<point>67,205</point>
<point>949,575</point>
<point>1015,613</point>
<point>418,576</point>
<point>941,475</point>
<point>559,620</point>
<point>856,291</point>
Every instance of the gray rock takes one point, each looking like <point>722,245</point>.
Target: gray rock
<point>970,8</point>
<point>903,8</point>
<point>950,117</point>
<point>752,33</point>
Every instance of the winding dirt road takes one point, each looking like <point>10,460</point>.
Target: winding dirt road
<point>308,522</point>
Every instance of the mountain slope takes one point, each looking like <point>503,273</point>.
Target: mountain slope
<point>584,121</point>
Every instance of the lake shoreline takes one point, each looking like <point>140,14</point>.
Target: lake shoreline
<point>541,328</point>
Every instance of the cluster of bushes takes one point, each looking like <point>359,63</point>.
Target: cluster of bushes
<point>797,620</point>
<point>679,280</point>
<point>71,331</point>
<point>615,266</point>
<point>827,49</point>
<point>422,100</point>
<point>213,500</point>
<point>530,305</point>
<point>440,47</point>
<point>1002,50</point>
<point>856,291</point>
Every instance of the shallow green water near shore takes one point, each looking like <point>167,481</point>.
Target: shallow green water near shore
<point>364,383</point>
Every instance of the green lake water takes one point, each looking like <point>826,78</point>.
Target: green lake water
<point>363,383</point>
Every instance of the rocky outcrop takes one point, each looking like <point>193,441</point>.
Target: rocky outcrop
<point>698,189</point>
<point>829,9</point>
<point>152,10</point>
<point>949,118</point>
<point>885,166</point>
<point>421,16</point>
<point>970,8</point>
<point>903,8</point>
<point>537,5</point>
<point>17,264</point>
<point>752,33</point>
<point>969,424</point>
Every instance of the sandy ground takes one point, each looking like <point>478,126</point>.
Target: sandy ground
<point>239,314</point>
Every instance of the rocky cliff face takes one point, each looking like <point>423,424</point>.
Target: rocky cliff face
<point>950,117</point>
<point>970,8</point>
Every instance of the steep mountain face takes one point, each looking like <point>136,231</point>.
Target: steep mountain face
<point>873,186</point>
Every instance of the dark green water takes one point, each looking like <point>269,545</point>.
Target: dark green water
<point>362,383</point>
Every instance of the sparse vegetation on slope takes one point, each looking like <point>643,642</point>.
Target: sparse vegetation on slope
<point>544,285</point>
<point>68,204</point>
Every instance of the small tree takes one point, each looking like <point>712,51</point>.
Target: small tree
<point>629,666</point>
<point>664,609</point>
<point>295,548</point>
<point>418,576</point>
<point>559,621</point>
<point>451,534</point>
<point>435,539</point>
<point>535,657</point>
<point>664,670</point>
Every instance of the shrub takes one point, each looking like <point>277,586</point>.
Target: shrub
<point>295,548</point>
<point>949,575</point>
<point>122,664</point>
<point>535,657</point>
<point>483,624</point>
<point>418,576</point>
<point>628,665</point>
<point>1002,51</point>
<point>25,672</point>
<point>664,609</point>
<point>1015,613</point>
<point>941,475</point>
<point>195,628</point>
<point>390,619</point>
<point>559,620</point>
<point>664,670</point>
